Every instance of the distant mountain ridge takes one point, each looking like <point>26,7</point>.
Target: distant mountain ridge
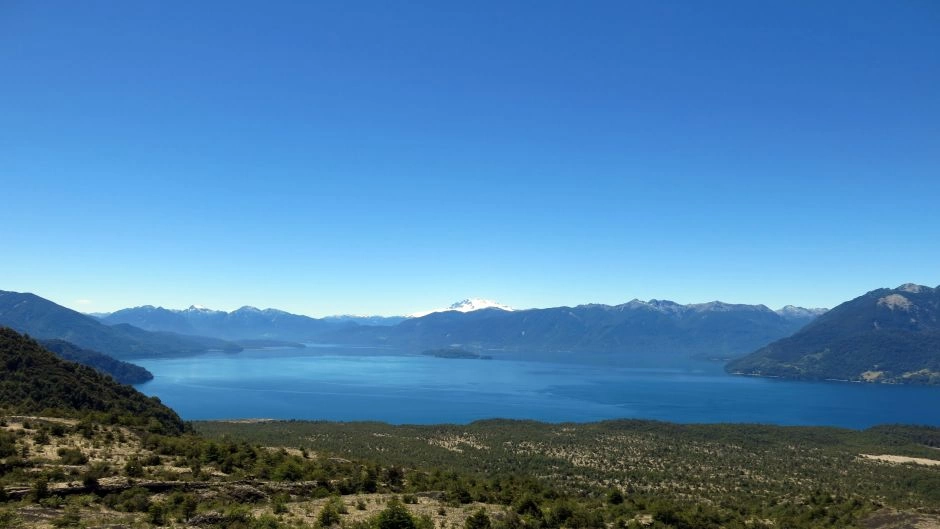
<point>365,320</point>
<point>660,327</point>
<point>789,312</point>
<point>244,323</point>
<point>886,335</point>
<point>715,329</point>
<point>793,312</point>
<point>250,322</point>
<point>41,318</point>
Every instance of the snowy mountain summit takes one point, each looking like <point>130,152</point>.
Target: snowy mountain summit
<point>799,312</point>
<point>467,305</point>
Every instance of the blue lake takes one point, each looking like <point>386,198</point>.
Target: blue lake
<point>342,384</point>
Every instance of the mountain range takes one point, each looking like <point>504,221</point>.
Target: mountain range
<point>656,326</point>
<point>886,335</point>
<point>253,323</point>
<point>41,318</point>
<point>365,320</point>
<point>246,323</point>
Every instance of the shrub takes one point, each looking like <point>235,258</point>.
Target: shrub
<point>136,499</point>
<point>615,497</point>
<point>39,489</point>
<point>156,514</point>
<point>7,444</point>
<point>9,519</point>
<point>71,456</point>
<point>288,471</point>
<point>478,520</point>
<point>330,514</point>
<point>151,460</point>
<point>69,519</point>
<point>395,516</point>
<point>133,468</point>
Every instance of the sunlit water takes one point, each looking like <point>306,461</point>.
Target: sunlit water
<point>352,385</point>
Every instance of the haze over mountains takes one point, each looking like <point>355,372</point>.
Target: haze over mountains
<point>244,323</point>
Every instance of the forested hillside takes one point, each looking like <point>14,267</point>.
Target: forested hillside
<point>886,335</point>
<point>35,381</point>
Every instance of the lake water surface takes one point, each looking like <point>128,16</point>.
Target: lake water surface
<point>343,384</point>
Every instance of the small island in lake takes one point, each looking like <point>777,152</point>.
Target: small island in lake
<point>456,353</point>
<point>264,343</point>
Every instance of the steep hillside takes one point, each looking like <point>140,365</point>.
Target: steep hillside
<point>44,319</point>
<point>886,335</point>
<point>34,380</point>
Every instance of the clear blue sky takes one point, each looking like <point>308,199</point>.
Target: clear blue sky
<point>387,157</point>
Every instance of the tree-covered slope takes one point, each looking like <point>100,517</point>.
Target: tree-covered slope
<point>34,380</point>
<point>44,319</point>
<point>123,372</point>
<point>886,335</point>
<point>719,475</point>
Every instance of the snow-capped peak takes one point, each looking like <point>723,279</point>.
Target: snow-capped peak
<point>471,304</point>
<point>198,309</point>
<point>791,311</point>
<point>467,305</point>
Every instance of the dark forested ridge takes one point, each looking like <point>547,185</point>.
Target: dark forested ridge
<point>41,318</point>
<point>34,380</point>
<point>123,372</point>
<point>886,335</point>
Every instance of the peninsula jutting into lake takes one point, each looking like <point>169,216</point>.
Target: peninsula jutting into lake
<point>456,354</point>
